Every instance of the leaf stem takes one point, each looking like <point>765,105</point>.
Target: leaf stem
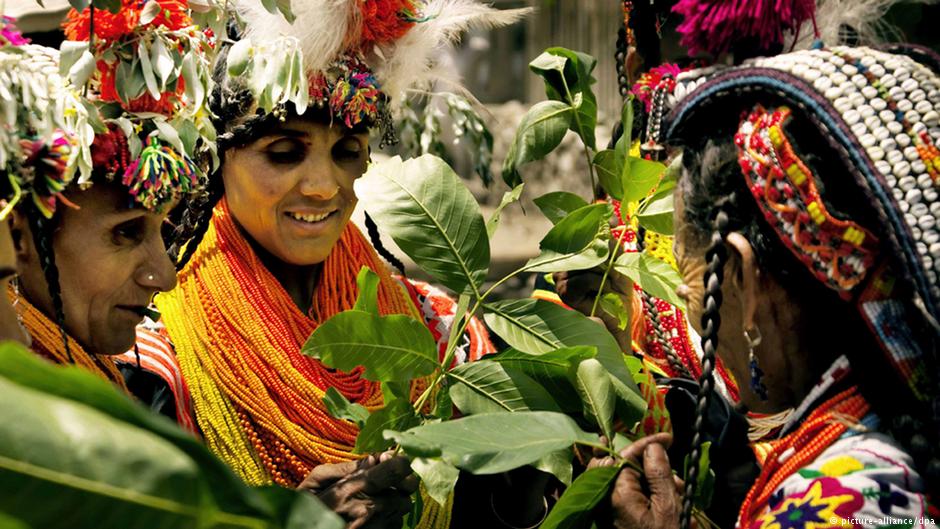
<point>610,265</point>
<point>449,354</point>
<point>587,149</point>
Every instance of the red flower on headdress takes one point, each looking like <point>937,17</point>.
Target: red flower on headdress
<point>109,26</point>
<point>649,81</point>
<point>385,21</point>
<point>107,91</point>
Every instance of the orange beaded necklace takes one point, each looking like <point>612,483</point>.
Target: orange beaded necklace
<point>238,334</point>
<point>785,456</point>
<point>47,342</point>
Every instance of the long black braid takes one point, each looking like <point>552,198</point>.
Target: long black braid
<point>199,216</point>
<point>712,177</point>
<point>376,240</point>
<point>716,256</point>
<point>43,230</point>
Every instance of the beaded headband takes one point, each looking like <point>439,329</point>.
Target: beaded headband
<point>878,113</point>
<point>838,252</point>
<point>36,110</point>
<point>357,59</point>
<point>145,66</point>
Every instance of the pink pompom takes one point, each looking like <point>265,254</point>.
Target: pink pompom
<point>716,25</point>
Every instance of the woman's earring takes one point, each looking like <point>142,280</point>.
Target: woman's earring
<point>16,299</point>
<point>753,338</point>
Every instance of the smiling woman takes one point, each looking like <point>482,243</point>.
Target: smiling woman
<point>277,256</point>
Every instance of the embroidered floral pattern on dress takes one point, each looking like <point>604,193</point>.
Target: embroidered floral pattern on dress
<point>824,501</point>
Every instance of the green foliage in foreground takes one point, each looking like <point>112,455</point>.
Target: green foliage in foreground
<point>565,381</point>
<point>76,453</point>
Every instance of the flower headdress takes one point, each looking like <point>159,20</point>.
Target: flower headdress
<point>147,66</point>
<point>37,108</point>
<point>355,58</point>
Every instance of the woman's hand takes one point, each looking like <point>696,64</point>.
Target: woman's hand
<point>372,493</point>
<point>650,501</point>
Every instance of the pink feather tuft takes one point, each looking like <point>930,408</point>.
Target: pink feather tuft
<point>716,25</point>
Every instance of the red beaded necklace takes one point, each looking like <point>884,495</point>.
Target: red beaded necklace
<point>787,455</point>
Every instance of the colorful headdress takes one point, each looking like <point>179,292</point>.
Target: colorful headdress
<point>147,66</point>
<point>879,113</point>
<point>37,108</point>
<point>352,57</point>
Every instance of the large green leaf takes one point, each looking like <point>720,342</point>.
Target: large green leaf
<point>550,370</point>
<point>491,443</point>
<point>641,179</point>
<point>339,406</point>
<point>432,217</point>
<point>656,214</point>
<point>567,76</point>
<point>389,348</point>
<point>558,464</point>
<point>490,387</point>
<point>508,198</point>
<point>654,276</point>
<point>367,283</point>
<point>558,204</point>
<point>577,242</point>
<point>74,451</point>
<point>538,326</point>
<point>396,415</point>
<point>597,392</point>
<point>540,131</point>
<point>439,477</point>
<point>610,172</point>
<point>575,508</point>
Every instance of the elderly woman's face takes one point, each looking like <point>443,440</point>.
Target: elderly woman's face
<point>291,190</point>
<point>111,261</point>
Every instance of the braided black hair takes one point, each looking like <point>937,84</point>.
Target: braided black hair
<point>716,201</point>
<point>652,312</point>
<point>43,230</point>
<point>376,240</point>
<point>716,256</point>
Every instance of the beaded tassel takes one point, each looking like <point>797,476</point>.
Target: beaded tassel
<point>757,377</point>
<point>160,175</point>
<point>48,162</point>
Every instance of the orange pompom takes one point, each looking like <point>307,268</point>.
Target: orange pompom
<point>385,21</point>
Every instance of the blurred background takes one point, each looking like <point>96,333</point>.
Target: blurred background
<point>493,66</point>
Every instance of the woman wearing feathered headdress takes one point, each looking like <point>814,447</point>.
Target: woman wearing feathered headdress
<point>278,254</point>
<point>93,179</point>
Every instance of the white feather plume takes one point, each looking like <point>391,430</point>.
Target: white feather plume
<point>321,26</point>
<point>325,28</point>
<point>411,61</point>
<point>865,17</point>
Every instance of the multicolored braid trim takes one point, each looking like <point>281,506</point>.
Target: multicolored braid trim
<point>160,175</point>
<point>838,252</point>
<point>351,91</point>
<point>44,172</point>
<point>860,129</point>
